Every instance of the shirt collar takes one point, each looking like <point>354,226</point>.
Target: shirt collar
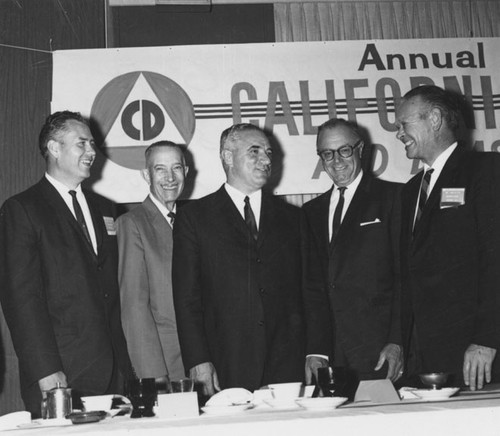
<point>441,160</point>
<point>161,207</point>
<point>61,187</point>
<point>238,196</point>
<point>351,188</point>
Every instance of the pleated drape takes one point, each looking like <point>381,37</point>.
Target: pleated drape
<point>358,20</point>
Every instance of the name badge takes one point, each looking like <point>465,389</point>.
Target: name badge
<point>452,197</point>
<point>109,222</point>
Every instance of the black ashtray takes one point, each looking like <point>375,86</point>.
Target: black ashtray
<point>86,417</point>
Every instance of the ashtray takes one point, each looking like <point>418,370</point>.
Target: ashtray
<point>86,417</point>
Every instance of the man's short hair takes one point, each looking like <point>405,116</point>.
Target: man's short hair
<point>55,124</point>
<point>436,97</point>
<point>165,143</point>
<point>231,134</point>
<point>332,123</point>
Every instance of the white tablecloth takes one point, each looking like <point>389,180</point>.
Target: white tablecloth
<point>469,415</point>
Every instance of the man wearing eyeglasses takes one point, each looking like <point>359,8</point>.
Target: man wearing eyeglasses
<point>351,290</point>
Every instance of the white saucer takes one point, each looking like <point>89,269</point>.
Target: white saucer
<point>325,403</point>
<point>282,404</point>
<point>435,394</point>
<point>226,410</point>
<point>55,422</point>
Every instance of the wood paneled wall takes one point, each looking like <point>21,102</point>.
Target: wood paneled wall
<point>39,26</point>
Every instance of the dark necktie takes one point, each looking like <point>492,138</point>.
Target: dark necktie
<point>171,215</point>
<point>424,188</point>
<point>337,216</point>
<point>250,219</point>
<point>79,216</point>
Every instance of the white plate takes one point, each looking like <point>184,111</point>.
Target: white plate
<point>56,422</point>
<point>230,397</point>
<point>282,404</point>
<point>435,394</point>
<point>325,403</point>
<point>226,410</point>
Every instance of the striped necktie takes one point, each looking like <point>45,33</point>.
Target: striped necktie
<point>424,188</point>
<point>171,215</point>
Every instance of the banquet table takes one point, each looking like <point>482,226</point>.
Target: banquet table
<point>476,414</point>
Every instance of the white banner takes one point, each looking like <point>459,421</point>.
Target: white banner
<point>190,94</point>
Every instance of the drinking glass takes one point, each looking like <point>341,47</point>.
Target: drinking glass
<point>142,394</point>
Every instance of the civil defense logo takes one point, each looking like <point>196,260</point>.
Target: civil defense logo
<point>136,109</point>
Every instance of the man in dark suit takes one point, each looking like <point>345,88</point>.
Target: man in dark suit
<point>237,275</point>
<point>450,245</point>
<point>145,266</point>
<point>351,292</point>
<point>58,273</point>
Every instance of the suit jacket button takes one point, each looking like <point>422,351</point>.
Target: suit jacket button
<point>262,290</point>
<point>106,295</point>
<point>261,323</point>
<point>259,260</point>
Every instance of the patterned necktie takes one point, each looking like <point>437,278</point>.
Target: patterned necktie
<point>337,216</point>
<point>171,215</point>
<point>79,216</point>
<point>424,188</point>
<point>250,219</point>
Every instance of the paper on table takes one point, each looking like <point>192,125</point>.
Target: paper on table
<point>14,419</point>
<point>376,391</point>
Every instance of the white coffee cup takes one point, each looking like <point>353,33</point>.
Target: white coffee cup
<point>286,391</point>
<point>97,402</point>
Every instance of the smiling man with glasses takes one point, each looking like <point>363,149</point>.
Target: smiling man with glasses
<point>351,290</point>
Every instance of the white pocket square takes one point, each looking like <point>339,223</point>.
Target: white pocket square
<point>367,223</point>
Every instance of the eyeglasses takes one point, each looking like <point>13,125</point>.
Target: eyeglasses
<point>345,151</point>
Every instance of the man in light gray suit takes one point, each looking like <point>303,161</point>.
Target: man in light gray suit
<point>145,259</point>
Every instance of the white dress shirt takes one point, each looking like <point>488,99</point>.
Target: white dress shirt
<point>163,209</point>
<point>68,199</point>
<point>437,166</point>
<point>239,201</point>
<point>334,199</point>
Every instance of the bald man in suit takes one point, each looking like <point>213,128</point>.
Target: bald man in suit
<point>352,288</point>
<point>237,275</point>
<point>450,245</point>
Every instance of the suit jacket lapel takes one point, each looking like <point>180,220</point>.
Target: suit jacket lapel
<point>267,217</point>
<point>155,217</point>
<point>445,179</point>
<point>56,202</point>
<point>229,214</point>
<point>352,215</point>
<point>99,227</point>
<point>320,222</point>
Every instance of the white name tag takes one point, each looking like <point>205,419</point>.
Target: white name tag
<point>109,222</point>
<point>452,197</point>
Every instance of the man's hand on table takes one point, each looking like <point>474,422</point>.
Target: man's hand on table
<point>205,374</point>
<point>312,364</point>
<point>393,354</point>
<point>478,361</point>
<point>51,381</point>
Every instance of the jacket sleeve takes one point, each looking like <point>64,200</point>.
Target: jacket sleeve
<point>22,293</point>
<point>486,197</point>
<point>395,336</point>
<point>319,335</point>
<point>188,289</point>
<point>139,325</point>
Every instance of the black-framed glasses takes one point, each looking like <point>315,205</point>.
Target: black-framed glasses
<point>345,151</point>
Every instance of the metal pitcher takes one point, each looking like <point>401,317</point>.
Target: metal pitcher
<point>57,403</point>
